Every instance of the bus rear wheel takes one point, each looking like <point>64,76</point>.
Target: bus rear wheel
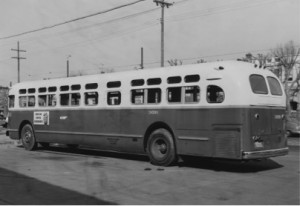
<point>28,138</point>
<point>161,148</point>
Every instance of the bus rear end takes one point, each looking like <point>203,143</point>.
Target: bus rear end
<point>265,132</point>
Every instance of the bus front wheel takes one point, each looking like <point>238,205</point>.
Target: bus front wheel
<point>28,138</point>
<point>161,148</point>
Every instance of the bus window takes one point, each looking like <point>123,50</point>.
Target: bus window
<point>91,98</point>
<point>75,87</point>
<point>113,84</point>
<point>137,82</point>
<point>137,96</point>
<point>192,94</point>
<point>31,90</point>
<point>174,94</point>
<point>64,99</point>
<point>91,86</point>
<point>42,100</point>
<point>215,94</point>
<point>154,81</point>
<point>258,84</point>
<point>23,101</point>
<point>22,91</point>
<point>52,89</point>
<point>274,86</point>
<point>113,98</point>
<point>64,88</point>
<point>174,80</point>
<point>42,89</point>
<point>52,100</point>
<point>75,99</point>
<point>192,78</point>
<point>11,100</point>
<point>31,101</point>
<point>154,95</point>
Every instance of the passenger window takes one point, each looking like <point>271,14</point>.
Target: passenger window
<point>258,84</point>
<point>137,96</point>
<point>75,99</point>
<point>154,81</point>
<point>137,82</point>
<point>64,88</point>
<point>91,86</point>
<point>42,100</point>
<point>192,78</point>
<point>31,90</point>
<point>23,101</point>
<point>31,101</point>
<point>52,89</point>
<point>42,89</point>
<point>75,87</point>
<point>113,84</point>
<point>174,80</point>
<point>64,99</point>
<point>215,94</point>
<point>274,86</point>
<point>154,96</point>
<point>192,94</point>
<point>174,94</point>
<point>113,98</point>
<point>11,100</point>
<point>91,98</point>
<point>22,91</point>
<point>52,100</point>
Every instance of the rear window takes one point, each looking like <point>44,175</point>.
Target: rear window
<point>274,86</point>
<point>258,84</point>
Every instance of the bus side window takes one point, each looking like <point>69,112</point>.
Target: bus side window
<point>52,100</point>
<point>75,99</point>
<point>137,96</point>
<point>174,94</point>
<point>91,98</point>
<point>64,99</point>
<point>23,101</point>
<point>192,94</point>
<point>215,94</point>
<point>154,95</point>
<point>31,101</point>
<point>11,100</point>
<point>42,100</point>
<point>113,98</point>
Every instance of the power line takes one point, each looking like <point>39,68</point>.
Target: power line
<point>72,20</point>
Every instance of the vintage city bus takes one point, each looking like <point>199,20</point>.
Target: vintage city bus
<point>229,110</point>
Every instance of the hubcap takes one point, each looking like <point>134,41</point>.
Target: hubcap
<point>27,136</point>
<point>160,148</point>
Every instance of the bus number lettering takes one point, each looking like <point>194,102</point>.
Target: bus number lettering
<point>154,112</point>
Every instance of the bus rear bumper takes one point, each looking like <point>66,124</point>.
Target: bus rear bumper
<point>265,153</point>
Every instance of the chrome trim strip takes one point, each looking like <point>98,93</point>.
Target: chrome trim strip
<point>194,138</point>
<point>89,134</point>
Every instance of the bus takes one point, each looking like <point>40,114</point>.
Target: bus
<point>226,109</point>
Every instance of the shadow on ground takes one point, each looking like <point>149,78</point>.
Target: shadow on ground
<point>192,162</point>
<point>18,189</point>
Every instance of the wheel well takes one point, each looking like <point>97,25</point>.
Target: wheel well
<point>22,125</point>
<point>153,127</point>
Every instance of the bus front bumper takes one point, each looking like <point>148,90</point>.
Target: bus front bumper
<point>265,153</point>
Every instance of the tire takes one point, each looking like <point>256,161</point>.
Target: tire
<point>28,138</point>
<point>161,148</point>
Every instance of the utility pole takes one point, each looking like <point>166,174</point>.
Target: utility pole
<point>142,58</point>
<point>163,4</point>
<point>68,69</point>
<point>18,58</point>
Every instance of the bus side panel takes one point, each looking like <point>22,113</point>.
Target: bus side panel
<point>210,132</point>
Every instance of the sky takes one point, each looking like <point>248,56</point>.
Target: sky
<point>111,41</point>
